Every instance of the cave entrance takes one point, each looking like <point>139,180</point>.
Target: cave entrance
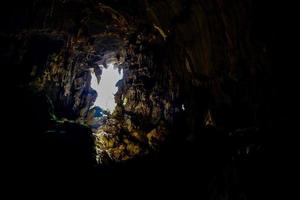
<point>106,88</point>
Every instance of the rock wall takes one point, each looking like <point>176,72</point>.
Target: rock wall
<point>188,66</point>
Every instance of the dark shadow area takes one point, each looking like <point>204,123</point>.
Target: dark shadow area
<point>239,156</point>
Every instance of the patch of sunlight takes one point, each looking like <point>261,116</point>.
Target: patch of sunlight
<point>107,87</point>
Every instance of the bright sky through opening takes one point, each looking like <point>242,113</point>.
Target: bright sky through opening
<point>107,87</point>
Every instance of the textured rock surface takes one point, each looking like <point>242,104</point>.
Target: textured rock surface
<point>77,45</point>
<point>189,55</point>
<point>196,78</point>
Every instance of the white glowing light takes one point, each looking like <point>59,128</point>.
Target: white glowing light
<point>182,106</point>
<point>107,87</point>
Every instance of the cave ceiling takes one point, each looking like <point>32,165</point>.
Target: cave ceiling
<point>186,65</point>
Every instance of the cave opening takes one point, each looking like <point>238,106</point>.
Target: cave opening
<point>144,89</point>
<point>106,87</point>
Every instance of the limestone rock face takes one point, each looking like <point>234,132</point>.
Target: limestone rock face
<point>187,65</point>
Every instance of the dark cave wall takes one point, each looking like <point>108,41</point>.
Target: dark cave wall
<point>202,54</point>
<point>205,49</point>
<point>61,72</point>
<point>215,53</point>
<point>208,44</point>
